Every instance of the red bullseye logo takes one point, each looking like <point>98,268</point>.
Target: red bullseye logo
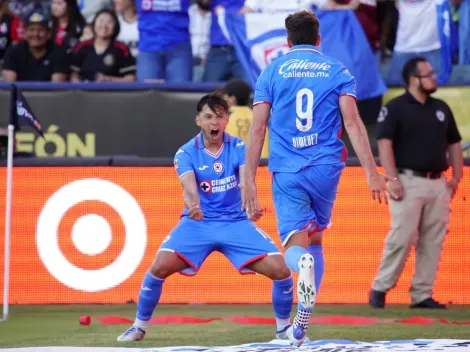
<point>102,229</point>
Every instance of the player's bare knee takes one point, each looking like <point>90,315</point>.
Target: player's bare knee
<point>279,269</point>
<point>166,264</point>
<point>316,239</point>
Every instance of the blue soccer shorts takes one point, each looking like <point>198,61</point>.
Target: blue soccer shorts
<point>240,241</point>
<point>304,200</point>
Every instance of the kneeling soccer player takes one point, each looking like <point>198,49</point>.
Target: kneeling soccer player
<point>211,170</point>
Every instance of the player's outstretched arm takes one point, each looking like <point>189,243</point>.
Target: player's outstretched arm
<point>360,141</point>
<point>254,147</point>
<point>191,196</point>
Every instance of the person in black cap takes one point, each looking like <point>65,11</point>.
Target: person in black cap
<point>37,58</point>
<point>415,133</point>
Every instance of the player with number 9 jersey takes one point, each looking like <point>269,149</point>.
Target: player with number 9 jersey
<point>303,88</point>
<point>303,98</point>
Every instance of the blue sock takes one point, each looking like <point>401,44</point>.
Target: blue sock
<point>292,257</point>
<point>317,254</point>
<point>282,298</point>
<point>148,299</point>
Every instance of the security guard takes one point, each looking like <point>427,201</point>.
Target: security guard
<point>415,132</point>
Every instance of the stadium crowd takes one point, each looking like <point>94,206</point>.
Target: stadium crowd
<point>121,40</point>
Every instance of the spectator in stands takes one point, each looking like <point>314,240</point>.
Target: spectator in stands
<point>37,58</point>
<point>222,62</point>
<point>387,17</point>
<point>366,13</point>
<point>295,5</point>
<point>460,10</point>
<point>199,28</point>
<point>10,29</point>
<point>90,8</point>
<point>164,42</point>
<point>417,35</point>
<point>67,23</point>
<point>103,59</point>
<point>127,15</point>
<point>87,33</point>
<point>237,93</point>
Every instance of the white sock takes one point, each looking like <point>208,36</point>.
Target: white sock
<point>141,324</point>
<point>281,324</point>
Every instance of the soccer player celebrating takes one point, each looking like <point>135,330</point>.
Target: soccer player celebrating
<point>211,169</point>
<point>303,95</point>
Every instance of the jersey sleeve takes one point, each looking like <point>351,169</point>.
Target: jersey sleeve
<point>127,64</point>
<point>346,83</point>
<point>387,122</point>
<point>262,90</point>
<point>453,135</point>
<point>182,162</point>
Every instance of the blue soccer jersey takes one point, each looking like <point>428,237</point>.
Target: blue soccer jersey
<point>217,176</point>
<point>162,23</point>
<point>303,88</point>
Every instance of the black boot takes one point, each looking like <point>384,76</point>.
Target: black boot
<point>377,299</point>
<point>429,303</point>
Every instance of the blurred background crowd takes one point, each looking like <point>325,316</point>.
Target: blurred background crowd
<point>181,41</point>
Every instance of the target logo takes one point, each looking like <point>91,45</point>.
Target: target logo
<point>91,234</point>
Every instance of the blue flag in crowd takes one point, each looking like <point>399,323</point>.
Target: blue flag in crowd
<point>261,38</point>
<point>24,114</point>
<point>444,28</point>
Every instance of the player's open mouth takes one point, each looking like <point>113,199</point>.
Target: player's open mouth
<point>214,132</point>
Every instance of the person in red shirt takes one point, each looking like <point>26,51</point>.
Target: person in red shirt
<point>67,23</point>
<point>10,28</point>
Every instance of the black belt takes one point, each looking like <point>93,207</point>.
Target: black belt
<point>431,174</point>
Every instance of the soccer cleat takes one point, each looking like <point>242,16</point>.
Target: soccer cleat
<point>296,335</point>
<point>134,333</point>
<point>282,335</point>
<point>306,290</point>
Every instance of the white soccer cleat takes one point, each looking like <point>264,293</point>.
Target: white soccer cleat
<point>306,290</point>
<point>134,333</point>
<point>282,335</point>
<point>296,335</point>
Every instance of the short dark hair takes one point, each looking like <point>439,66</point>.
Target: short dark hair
<point>214,102</point>
<point>240,90</point>
<point>411,68</point>
<point>303,28</point>
<point>117,26</point>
